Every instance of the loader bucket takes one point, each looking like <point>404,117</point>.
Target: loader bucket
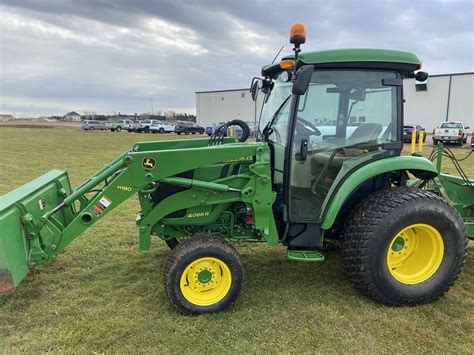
<point>20,212</point>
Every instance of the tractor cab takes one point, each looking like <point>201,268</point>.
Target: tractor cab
<point>325,115</point>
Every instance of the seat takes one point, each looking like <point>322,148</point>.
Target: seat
<point>326,165</point>
<point>365,133</point>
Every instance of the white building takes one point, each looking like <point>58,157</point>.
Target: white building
<point>72,116</point>
<point>446,97</point>
<point>226,105</point>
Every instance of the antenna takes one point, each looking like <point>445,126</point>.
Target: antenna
<point>273,61</point>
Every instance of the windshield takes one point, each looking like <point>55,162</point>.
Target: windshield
<point>273,100</point>
<point>451,125</point>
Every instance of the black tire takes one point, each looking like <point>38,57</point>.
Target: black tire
<point>184,254</point>
<point>146,129</point>
<point>201,131</point>
<point>371,231</point>
<point>460,142</point>
<point>464,140</point>
<point>112,130</point>
<point>91,128</point>
<point>178,133</point>
<point>119,129</point>
<point>435,141</point>
<point>186,132</point>
<point>161,130</point>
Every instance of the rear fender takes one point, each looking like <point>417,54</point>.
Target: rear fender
<point>343,188</point>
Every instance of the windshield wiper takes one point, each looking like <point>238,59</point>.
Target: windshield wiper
<point>266,129</point>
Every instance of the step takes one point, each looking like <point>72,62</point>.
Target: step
<point>305,255</point>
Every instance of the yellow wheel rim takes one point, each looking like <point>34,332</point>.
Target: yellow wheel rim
<point>206,281</point>
<point>415,253</point>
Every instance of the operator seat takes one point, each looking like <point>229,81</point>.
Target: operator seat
<point>365,133</point>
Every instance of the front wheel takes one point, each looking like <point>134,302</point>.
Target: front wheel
<point>404,246</point>
<point>203,275</point>
<point>435,141</point>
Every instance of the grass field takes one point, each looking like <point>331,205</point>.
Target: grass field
<point>102,294</point>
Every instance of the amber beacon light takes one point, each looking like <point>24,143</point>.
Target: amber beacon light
<point>297,34</point>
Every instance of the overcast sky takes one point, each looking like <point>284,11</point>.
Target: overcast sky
<point>115,55</point>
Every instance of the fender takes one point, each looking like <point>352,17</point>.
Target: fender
<point>419,167</point>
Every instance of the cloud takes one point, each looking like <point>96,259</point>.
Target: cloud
<point>115,55</point>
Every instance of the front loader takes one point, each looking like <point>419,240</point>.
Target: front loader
<point>325,170</point>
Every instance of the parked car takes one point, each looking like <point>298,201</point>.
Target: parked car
<point>90,125</point>
<point>161,127</point>
<point>144,125</point>
<point>451,131</point>
<point>408,129</point>
<point>121,125</point>
<point>188,127</point>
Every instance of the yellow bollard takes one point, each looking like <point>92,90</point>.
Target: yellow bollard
<point>413,141</point>
<point>420,141</point>
<point>232,131</point>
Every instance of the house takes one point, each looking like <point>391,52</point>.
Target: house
<point>72,116</point>
<point>6,117</point>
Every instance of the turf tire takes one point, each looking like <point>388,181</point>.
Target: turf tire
<point>375,222</point>
<point>192,249</point>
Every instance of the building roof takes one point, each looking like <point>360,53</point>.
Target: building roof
<point>225,90</point>
<point>72,113</point>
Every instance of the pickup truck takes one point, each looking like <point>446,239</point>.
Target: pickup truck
<point>451,132</point>
<point>121,125</point>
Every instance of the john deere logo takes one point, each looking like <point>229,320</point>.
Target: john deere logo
<point>149,163</point>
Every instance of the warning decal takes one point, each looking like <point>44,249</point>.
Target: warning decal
<point>100,206</point>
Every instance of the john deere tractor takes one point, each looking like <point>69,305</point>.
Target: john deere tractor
<point>325,170</point>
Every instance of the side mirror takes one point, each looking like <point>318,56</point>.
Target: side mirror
<point>254,89</point>
<point>467,127</point>
<point>303,77</point>
<point>358,95</point>
<point>421,76</point>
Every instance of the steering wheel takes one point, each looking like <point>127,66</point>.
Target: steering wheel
<point>305,127</point>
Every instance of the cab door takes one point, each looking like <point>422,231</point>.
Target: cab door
<point>340,123</point>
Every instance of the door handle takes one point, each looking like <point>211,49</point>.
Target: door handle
<point>304,149</point>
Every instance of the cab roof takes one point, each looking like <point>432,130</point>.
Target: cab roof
<point>368,58</point>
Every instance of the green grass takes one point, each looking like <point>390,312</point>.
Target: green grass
<point>102,294</point>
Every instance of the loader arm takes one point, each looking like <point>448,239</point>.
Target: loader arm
<point>38,220</point>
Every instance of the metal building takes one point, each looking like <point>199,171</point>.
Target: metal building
<point>225,105</point>
<point>446,97</point>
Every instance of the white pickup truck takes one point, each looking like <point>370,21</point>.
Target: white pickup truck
<point>451,132</point>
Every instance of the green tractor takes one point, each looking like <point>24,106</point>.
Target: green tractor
<point>325,171</point>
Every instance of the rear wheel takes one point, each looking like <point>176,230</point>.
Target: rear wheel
<point>203,275</point>
<point>161,130</point>
<point>404,246</point>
